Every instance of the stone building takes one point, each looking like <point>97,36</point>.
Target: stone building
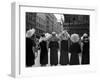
<point>51,22</point>
<point>30,20</point>
<point>41,22</point>
<point>58,28</point>
<point>76,24</point>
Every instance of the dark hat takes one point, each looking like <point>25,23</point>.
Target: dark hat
<point>42,35</point>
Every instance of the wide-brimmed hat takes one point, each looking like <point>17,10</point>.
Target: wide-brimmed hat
<point>64,35</point>
<point>85,35</point>
<point>74,38</point>
<point>48,35</point>
<point>30,32</point>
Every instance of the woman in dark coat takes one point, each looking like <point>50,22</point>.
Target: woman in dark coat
<point>30,55</point>
<point>75,49</point>
<point>64,58</point>
<point>43,51</point>
<point>85,51</point>
<point>53,45</point>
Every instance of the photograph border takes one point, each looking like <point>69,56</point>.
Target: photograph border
<point>16,35</point>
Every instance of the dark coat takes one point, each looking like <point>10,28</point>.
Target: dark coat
<point>53,45</point>
<point>64,59</point>
<point>43,53</point>
<point>30,56</point>
<point>75,49</point>
<point>85,53</point>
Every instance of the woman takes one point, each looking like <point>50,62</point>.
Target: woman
<point>85,51</point>
<point>75,49</point>
<point>54,46</point>
<point>43,51</point>
<point>30,55</point>
<point>64,58</point>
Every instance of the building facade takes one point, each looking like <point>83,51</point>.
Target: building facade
<point>30,20</point>
<point>51,22</point>
<point>36,21</point>
<point>76,24</point>
<point>58,28</point>
<point>41,22</point>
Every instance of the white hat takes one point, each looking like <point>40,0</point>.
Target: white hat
<point>85,35</point>
<point>64,35</point>
<point>74,38</point>
<point>54,33</point>
<point>47,35</point>
<point>30,32</point>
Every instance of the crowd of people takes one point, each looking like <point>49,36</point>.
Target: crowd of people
<point>71,47</point>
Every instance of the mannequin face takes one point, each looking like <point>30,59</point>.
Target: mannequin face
<point>86,39</point>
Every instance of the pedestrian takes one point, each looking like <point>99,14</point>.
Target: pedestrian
<point>30,54</point>
<point>74,49</point>
<point>54,46</point>
<point>64,44</point>
<point>85,51</point>
<point>43,51</point>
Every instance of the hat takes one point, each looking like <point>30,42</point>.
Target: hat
<point>48,35</point>
<point>53,33</point>
<point>30,32</point>
<point>74,38</point>
<point>64,35</point>
<point>85,35</point>
<point>42,35</point>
